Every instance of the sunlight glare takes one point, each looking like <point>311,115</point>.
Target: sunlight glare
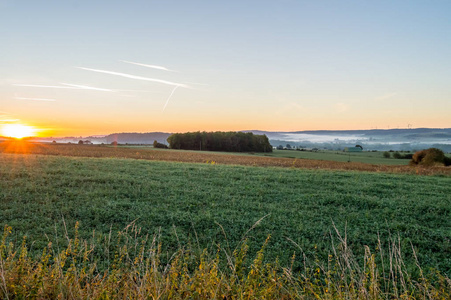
<point>17,131</point>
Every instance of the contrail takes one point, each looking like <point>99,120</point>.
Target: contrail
<point>46,86</point>
<point>136,77</point>
<point>85,87</point>
<point>35,99</point>
<point>148,66</point>
<point>167,101</point>
<point>141,91</point>
<point>69,86</point>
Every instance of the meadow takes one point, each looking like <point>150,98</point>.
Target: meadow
<point>366,157</point>
<point>375,158</point>
<point>221,203</point>
<point>245,159</point>
<point>220,208</point>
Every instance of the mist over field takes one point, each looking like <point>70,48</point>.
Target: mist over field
<point>381,140</point>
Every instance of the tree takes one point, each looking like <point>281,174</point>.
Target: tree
<point>429,157</point>
<point>397,155</point>
<point>220,141</point>
<point>80,142</point>
<point>159,145</point>
<point>386,154</point>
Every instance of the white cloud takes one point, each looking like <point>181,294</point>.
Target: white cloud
<point>34,99</point>
<point>85,87</point>
<point>65,86</point>
<point>148,66</point>
<point>167,101</point>
<point>46,86</point>
<point>136,77</point>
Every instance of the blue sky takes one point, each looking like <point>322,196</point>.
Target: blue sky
<point>271,65</point>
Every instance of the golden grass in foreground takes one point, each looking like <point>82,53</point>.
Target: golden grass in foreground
<point>22,147</point>
<point>136,272</point>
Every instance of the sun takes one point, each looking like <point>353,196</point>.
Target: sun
<point>17,131</point>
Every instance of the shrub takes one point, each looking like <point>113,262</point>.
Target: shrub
<point>429,157</point>
<point>159,145</point>
<point>397,155</point>
<point>447,161</point>
<point>386,154</point>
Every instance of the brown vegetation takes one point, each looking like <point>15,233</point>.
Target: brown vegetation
<point>208,157</point>
<point>430,157</point>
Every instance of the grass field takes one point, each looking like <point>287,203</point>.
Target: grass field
<point>375,158</point>
<point>340,156</point>
<point>147,153</point>
<point>203,205</point>
<point>107,222</point>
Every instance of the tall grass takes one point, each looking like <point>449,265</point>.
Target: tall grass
<point>135,270</point>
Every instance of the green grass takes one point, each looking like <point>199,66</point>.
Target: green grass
<point>375,158</point>
<point>220,204</point>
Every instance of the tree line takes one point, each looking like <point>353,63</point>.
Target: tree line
<point>220,141</point>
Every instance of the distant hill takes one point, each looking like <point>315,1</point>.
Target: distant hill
<point>409,134</point>
<point>372,139</point>
<point>137,138</point>
<point>367,132</point>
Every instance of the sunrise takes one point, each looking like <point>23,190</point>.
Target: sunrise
<point>18,131</point>
<point>225,149</point>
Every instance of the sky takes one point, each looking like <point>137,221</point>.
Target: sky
<point>79,68</point>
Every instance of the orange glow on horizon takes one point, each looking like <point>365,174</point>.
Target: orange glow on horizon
<point>18,131</point>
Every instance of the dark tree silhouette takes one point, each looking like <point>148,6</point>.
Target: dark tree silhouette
<point>220,141</point>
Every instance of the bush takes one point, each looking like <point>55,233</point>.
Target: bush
<point>397,155</point>
<point>159,145</point>
<point>429,157</point>
<point>386,154</point>
<point>447,161</point>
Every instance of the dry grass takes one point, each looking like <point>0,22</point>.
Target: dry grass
<point>208,157</point>
<point>136,272</point>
